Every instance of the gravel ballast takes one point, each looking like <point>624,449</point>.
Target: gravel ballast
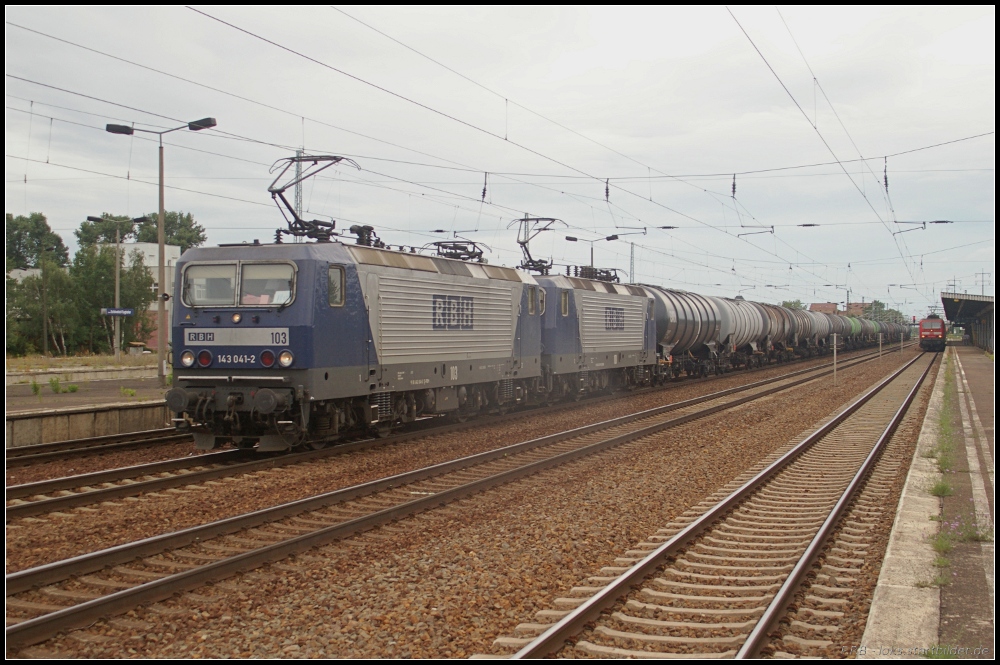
<point>448,582</point>
<point>36,541</point>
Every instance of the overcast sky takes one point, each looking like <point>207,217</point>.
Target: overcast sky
<point>613,120</point>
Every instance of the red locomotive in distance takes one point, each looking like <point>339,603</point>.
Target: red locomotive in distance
<point>932,333</point>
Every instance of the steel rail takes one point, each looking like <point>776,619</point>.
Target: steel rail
<point>90,562</point>
<point>776,609</point>
<point>62,450</point>
<point>92,442</point>
<point>39,628</point>
<point>112,475</point>
<point>89,497</point>
<point>23,455</point>
<point>554,638</point>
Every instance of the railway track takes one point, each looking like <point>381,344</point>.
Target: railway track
<point>59,596</point>
<point>717,582</point>
<point>62,450</point>
<point>41,497</point>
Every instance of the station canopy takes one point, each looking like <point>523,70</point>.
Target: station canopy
<point>966,308</point>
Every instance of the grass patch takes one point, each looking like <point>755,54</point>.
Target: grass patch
<point>942,542</point>
<point>942,489</point>
<point>947,436</point>
<point>54,385</point>
<point>35,388</point>
<point>941,579</point>
<point>127,392</point>
<point>941,562</point>
<point>72,388</point>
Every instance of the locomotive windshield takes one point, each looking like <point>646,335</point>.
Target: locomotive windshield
<point>215,284</point>
<point>210,285</point>
<point>933,324</point>
<point>266,284</point>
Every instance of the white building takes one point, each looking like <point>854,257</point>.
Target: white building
<point>151,259</point>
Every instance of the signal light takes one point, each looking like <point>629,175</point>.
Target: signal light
<point>204,358</point>
<point>187,358</point>
<point>267,357</point>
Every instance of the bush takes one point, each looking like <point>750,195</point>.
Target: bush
<point>35,388</point>
<point>54,384</point>
<point>72,388</point>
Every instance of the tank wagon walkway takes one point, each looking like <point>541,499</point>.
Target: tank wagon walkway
<point>936,590</point>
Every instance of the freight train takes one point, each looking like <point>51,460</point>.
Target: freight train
<point>284,345</point>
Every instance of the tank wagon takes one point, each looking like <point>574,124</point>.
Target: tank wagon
<point>279,345</point>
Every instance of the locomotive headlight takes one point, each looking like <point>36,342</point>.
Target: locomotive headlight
<point>204,358</point>
<point>187,358</point>
<point>285,358</point>
<point>237,317</point>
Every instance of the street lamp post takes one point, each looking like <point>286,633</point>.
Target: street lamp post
<point>45,301</point>
<point>118,279</point>
<point>161,296</point>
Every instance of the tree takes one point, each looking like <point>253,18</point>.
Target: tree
<point>137,292</point>
<point>878,311</point>
<point>179,228</point>
<point>93,272</point>
<point>28,238</point>
<point>793,304</point>
<point>103,232</point>
<point>49,297</point>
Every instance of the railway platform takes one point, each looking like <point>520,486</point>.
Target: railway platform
<point>94,408</point>
<point>21,398</point>
<point>936,591</point>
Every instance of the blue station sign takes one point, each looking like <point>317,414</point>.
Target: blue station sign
<point>117,311</point>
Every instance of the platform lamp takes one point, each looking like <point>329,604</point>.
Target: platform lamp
<point>161,297</point>
<point>45,299</point>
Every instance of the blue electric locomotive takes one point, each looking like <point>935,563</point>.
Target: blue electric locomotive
<point>277,345</point>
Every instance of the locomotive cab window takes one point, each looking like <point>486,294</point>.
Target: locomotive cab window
<point>564,302</point>
<point>336,286</point>
<point>531,300</point>
<point>541,300</point>
<point>267,284</point>
<point>212,284</point>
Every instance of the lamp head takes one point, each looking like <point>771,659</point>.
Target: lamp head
<point>204,123</point>
<point>119,129</point>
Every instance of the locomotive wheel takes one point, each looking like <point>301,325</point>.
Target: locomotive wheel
<point>383,429</point>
